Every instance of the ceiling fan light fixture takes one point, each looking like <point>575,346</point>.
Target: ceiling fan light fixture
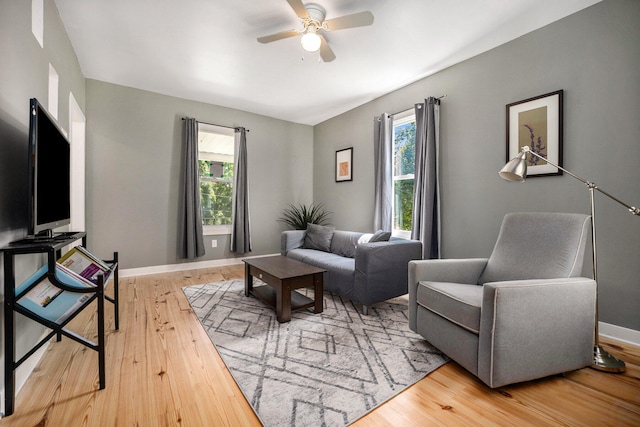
<point>310,41</point>
<point>312,16</point>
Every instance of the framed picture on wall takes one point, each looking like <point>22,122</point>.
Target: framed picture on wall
<point>537,123</point>
<point>344,165</point>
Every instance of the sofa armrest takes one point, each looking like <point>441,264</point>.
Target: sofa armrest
<point>535,328</point>
<point>291,239</point>
<point>381,269</point>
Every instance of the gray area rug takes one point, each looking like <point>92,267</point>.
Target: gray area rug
<point>325,369</point>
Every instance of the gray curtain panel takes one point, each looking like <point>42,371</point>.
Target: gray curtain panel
<point>190,239</point>
<point>240,226</point>
<point>383,157</point>
<point>426,190</point>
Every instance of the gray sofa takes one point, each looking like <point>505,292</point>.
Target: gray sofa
<point>365,273</point>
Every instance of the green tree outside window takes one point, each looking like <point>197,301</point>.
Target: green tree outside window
<point>403,172</point>
<point>215,194</point>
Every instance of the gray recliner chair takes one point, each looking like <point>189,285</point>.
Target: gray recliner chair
<point>519,315</point>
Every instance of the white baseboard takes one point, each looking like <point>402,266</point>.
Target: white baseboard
<point>23,371</point>
<point>156,269</point>
<point>618,333</point>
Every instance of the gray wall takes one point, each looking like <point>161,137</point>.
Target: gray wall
<point>594,55</point>
<point>134,141</point>
<point>134,138</point>
<point>24,74</point>
<point>133,151</point>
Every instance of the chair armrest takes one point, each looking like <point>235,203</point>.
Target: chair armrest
<point>291,239</point>
<point>535,328</point>
<point>466,270</point>
<point>381,269</point>
<point>447,270</point>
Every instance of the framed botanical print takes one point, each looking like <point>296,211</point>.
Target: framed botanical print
<point>344,165</point>
<point>537,123</point>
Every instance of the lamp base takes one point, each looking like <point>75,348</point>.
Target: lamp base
<point>604,361</point>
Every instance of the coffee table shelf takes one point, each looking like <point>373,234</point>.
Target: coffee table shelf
<point>283,276</point>
<point>268,295</point>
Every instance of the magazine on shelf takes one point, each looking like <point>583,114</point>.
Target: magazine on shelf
<point>79,269</point>
<point>93,257</point>
<point>79,261</point>
<point>43,294</point>
<point>48,301</point>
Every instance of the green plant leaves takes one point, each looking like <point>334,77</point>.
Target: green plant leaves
<point>298,216</point>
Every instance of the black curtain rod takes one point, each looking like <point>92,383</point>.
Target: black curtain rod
<point>402,111</point>
<point>222,126</point>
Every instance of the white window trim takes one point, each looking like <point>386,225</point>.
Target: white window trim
<point>216,230</point>
<point>404,117</point>
<point>403,234</point>
<point>404,177</point>
<point>400,119</point>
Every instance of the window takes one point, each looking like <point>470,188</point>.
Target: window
<point>37,20</point>
<point>54,83</point>
<point>404,153</point>
<point>215,168</point>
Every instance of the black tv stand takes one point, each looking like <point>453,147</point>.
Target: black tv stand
<point>47,237</point>
<point>52,246</point>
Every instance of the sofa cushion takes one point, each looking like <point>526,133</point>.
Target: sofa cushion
<point>318,237</point>
<point>344,243</point>
<point>339,277</point>
<point>459,303</point>
<point>340,270</point>
<point>323,259</point>
<point>380,236</point>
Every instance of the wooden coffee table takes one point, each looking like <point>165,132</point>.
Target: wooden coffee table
<point>283,275</point>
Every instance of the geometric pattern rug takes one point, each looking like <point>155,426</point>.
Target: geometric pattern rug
<point>326,369</point>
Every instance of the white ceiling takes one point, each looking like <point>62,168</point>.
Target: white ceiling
<point>206,50</point>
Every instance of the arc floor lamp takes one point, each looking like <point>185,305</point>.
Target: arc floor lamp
<point>516,170</point>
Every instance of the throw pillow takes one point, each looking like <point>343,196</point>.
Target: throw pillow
<point>380,236</point>
<point>318,237</point>
<point>365,238</point>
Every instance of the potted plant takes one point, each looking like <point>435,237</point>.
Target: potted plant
<point>298,216</point>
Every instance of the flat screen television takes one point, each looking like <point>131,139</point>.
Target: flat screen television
<point>49,174</point>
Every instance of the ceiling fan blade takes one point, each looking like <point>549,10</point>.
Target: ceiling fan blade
<point>278,36</point>
<point>298,8</point>
<point>326,53</point>
<point>360,19</point>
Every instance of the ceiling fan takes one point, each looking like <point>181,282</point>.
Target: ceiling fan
<point>312,17</point>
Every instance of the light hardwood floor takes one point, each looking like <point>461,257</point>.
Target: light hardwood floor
<point>162,370</point>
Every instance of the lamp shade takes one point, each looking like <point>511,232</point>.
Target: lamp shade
<point>310,42</point>
<point>515,169</point>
